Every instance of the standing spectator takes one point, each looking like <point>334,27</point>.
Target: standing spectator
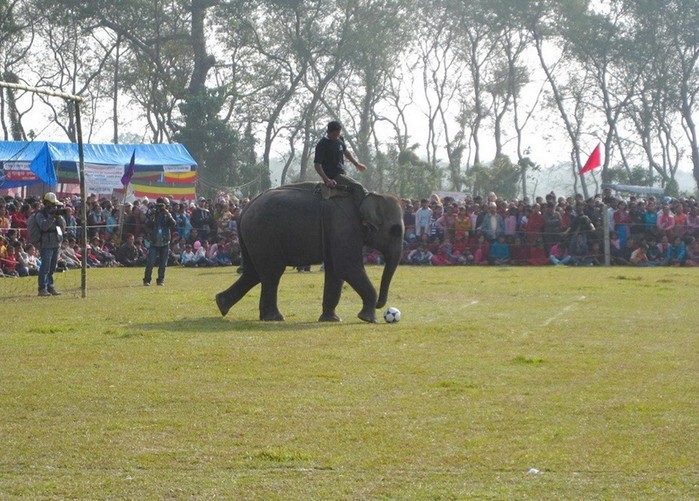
<point>159,225</point>
<point>463,223</point>
<point>201,220</point>
<point>680,221</point>
<point>665,222</point>
<point>5,222</point>
<point>552,223</point>
<point>493,224</point>
<point>434,229</point>
<point>96,220</point>
<point>408,218</point>
<point>693,222</point>
<point>52,227</point>
<point>650,219</point>
<point>535,224</point>
<point>622,223</point>
<point>422,219</point>
<point>510,219</point>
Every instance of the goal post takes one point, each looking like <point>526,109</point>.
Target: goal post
<point>76,100</point>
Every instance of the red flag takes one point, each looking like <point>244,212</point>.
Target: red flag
<point>126,178</point>
<point>593,162</point>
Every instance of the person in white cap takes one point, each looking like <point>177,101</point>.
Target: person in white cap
<point>50,221</point>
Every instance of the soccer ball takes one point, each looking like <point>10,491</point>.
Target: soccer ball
<point>392,315</point>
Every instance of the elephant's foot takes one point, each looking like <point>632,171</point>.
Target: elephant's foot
<point>329,317</point>
<point>367,315</point>
<point>221,303</point>
<point>274,316</point>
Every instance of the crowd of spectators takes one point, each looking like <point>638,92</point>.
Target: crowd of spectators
<point>472,231</point>
<point>206,234</point>
<point>551,230</point>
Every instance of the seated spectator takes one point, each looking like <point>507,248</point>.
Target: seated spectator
<point>371,256</point>
<point>653,252</point>
<point>537,253</point>
<point>420,256</point>
<point>68,257</point>
<point>187,257</point>
<point>200,252</point>
<point>103,256</point>
<point>639,256</point>
<point>677,253</point>
<point>596,254</point>
<point>9,262</point>
<point>461,248</point>
<point>580,250</point>
<point>692,252</point>
<point>480,250</point>
<point>128,254</point>
<point>519,252</point>
<point>559,254</point>
<point>445,254</point>
<point>499,254</point>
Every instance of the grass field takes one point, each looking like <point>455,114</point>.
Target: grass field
<point>498,383</point>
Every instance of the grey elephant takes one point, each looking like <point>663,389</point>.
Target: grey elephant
<point>295,225</point>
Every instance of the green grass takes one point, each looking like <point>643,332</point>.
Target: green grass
<point>587,375</point>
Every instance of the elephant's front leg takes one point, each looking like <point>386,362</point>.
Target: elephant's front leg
<point>360,282</point>
<point>332,290</point>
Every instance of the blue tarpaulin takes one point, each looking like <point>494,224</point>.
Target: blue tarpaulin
<point>24,163</point>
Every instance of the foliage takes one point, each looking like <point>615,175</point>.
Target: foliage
<point>501,176</point>
<point>413,175</point>
<point>637,176</point>
<point>493,75</point>
<point>494,390</point>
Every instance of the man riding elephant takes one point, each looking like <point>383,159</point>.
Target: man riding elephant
<point>329,162</point>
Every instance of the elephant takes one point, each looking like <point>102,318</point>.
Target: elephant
<point>299,224</point>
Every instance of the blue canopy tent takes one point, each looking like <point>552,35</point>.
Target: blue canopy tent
<point>159,168</point>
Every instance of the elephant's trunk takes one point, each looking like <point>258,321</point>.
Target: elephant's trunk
<point>392,259</point>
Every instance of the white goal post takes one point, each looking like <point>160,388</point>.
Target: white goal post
<point>76,100</point>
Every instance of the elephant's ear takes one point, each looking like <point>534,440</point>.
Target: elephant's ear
<point>371,212</point>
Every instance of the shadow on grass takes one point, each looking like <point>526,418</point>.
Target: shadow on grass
<point>209,324</point>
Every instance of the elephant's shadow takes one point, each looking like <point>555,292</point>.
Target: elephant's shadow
<point>216,325</point>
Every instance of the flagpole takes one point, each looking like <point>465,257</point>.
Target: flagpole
<point>121,214</point>
<point>126,181</point>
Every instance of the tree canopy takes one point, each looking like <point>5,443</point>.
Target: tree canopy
<point>434,94</point>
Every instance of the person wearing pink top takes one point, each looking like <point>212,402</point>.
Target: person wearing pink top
<point>665,221</point>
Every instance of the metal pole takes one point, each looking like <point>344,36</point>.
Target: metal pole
<point>605,226</point>
<point>83,196</point>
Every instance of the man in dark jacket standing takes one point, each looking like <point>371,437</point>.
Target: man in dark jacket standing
<point>52,227</point>
<point>159,225</point>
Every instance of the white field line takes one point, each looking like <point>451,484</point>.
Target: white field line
<point>562,312</point>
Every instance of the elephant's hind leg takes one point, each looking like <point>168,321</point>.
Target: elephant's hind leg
<point>269,311</point>
<point>226,299</point>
